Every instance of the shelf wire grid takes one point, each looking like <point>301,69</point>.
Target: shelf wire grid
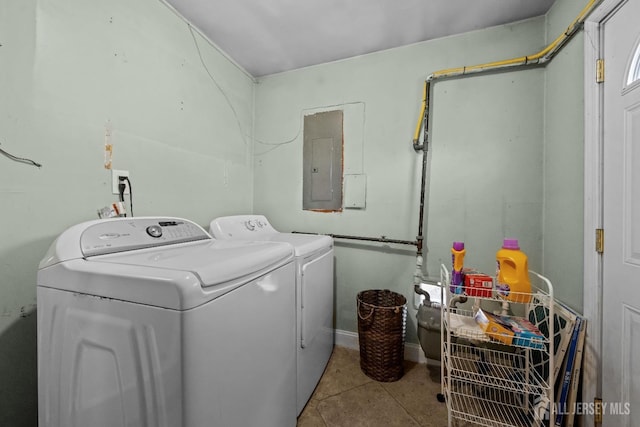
<point>508,371</point>
<point>515,393</point>
<point>484,406</point>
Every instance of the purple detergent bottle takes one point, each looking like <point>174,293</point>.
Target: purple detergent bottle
<point>457,259</point>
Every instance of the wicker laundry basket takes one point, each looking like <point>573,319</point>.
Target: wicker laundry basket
<point>382,320</point>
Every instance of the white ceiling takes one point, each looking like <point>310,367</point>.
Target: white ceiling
<point>270,36</point>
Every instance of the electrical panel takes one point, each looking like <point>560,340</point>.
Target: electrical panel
<point>322,161</point>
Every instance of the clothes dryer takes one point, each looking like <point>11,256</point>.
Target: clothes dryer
<point>151,322</point>
<point>314,292</point>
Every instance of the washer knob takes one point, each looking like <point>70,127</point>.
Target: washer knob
<point>251,225</point>
<point>154,231</point>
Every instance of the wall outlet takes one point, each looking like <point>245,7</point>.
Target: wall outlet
<point>115,174</point>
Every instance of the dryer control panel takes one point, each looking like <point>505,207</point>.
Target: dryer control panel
<point>125,234</point>
<point>240,227</point>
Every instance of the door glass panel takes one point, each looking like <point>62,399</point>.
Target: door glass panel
<point>634,71</point>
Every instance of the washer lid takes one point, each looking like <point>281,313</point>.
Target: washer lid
<point>163,262</point>
<point>174,277</point>
<point>214,262</point>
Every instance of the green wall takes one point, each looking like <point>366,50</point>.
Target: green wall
<point>564,158</point>
<point>486,157</point>
<point>505,158</point>
<point>68,67</point>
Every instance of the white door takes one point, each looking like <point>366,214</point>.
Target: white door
<point>621,284</point>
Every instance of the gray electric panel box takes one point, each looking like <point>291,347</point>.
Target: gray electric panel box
<point>322,161</point>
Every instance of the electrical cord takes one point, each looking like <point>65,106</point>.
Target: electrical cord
<point>122,188</point>
<point>20,159</point>
<point>218,86</point>
<point>130,195</point>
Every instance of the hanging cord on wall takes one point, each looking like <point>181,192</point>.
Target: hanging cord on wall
<point>20,159</point>
<point>122,188</point>
<point>319,109</point>
<point>130,195</point>
<point>235,113</point>
<point>215,82</point>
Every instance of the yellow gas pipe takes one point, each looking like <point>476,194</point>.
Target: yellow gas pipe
<point>539,58</point>
<point>536,59</point>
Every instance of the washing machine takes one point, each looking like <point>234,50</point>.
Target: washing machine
<point>151,322</point>
<point>314,292</point>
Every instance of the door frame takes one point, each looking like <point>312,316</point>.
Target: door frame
<point>593,201</point>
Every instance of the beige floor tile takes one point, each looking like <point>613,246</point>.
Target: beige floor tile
<point>310,416</point>
<point>346,397</point>
<point>417,392</point>
<point>367,405</point>
<point>342,373</point>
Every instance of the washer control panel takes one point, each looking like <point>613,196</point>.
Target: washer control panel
<point>125,234</point>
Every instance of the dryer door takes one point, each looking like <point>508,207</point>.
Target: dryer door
<point>315,323</point>
<point>316,291</point>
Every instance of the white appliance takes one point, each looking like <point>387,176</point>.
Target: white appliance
<point>151,322</point>
<point>314,292</point>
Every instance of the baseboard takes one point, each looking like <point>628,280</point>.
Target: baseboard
<point>412,352</point>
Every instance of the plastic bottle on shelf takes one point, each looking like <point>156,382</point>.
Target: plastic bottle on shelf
<point>513,273</point>
<point>457,259</point>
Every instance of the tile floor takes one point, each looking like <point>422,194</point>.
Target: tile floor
<point>345,397</point>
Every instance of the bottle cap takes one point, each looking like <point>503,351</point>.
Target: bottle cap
<point>458,246</point>
<point>510,244</point>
